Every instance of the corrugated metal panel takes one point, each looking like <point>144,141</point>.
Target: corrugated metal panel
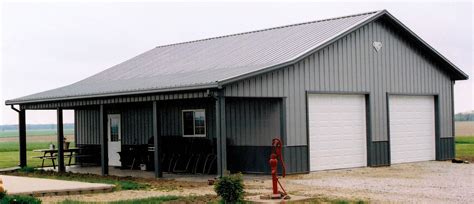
<point>171,116</point>
<point>352,65</point>
<point>249,159</point>
<point>87,126</point>
<point>379,154</point>
<point>137,120</point>
<point>252,121</point>
<point>445,149</point>
<point>296,159</point>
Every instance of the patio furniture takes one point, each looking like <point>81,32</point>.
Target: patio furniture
<point>52,154</point>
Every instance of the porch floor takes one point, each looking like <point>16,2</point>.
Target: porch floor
<point>115,171</point>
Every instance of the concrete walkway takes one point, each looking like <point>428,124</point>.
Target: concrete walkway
<point>42,187</point>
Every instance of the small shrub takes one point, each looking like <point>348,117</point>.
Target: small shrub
<point>230,188</point>
<point>2,194</point>
<point>19,199</point>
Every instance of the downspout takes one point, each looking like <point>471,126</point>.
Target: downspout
<point>453,120</point>
<point>13,108</point>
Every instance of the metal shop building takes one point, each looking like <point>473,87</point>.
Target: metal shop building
<point>353,91</point>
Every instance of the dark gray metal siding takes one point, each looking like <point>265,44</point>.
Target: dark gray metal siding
<point>136,120</point>
<point>296,159</point>
<point>251,124</point>
<point>379,154</point>
<point>86,122</point>
<point>171,116</point>
<point>136,124</point>
<point>352,65</point>
<point>252,121</point>
<point>445,149</point>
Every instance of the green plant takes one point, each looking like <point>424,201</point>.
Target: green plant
<point>130,185</point>
<point>19,199</point>
<point>230,188</point>
<point>2,194</point>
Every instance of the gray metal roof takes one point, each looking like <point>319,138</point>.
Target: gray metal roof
<point>209,62</point>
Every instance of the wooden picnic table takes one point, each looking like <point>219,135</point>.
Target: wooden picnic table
<point>52,154</point>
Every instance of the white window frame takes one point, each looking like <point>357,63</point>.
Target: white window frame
<point>194,123</point>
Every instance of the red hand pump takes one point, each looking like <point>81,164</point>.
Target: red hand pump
<point>276,154</point>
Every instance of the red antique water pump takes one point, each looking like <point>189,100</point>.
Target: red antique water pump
<point>276,154</point>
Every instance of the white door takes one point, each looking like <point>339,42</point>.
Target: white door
<point>412,128</point>
<point>337,131</point>
<point>114,139</point>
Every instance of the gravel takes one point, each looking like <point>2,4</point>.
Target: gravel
<point>421,182</point>
<point>426,182</point>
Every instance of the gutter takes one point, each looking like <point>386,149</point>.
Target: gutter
<point>185,88</point>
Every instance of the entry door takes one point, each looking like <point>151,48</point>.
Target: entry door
<point>412,128</point>
<point>337,131</point>
<point>114,139</point>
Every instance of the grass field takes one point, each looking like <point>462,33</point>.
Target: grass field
<point>9,155</point>
<point>465,148</point>
<point>35,133</point>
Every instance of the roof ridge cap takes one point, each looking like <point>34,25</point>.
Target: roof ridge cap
<point>272,28</point>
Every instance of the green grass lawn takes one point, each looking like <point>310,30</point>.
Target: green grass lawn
<point>14,146</point>
<point>9,155</point>
<point>11,159</point>
<point>35,133</point>
<point>465,148</point>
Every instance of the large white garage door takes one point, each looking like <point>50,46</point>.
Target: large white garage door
<point>412,128</point>
<point>337,131</point>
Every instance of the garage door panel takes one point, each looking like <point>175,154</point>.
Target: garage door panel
<point>337,131</point>
<point>412,131</point>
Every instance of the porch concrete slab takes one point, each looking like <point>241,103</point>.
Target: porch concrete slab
<point>40,187</point>
<point>138,173</point>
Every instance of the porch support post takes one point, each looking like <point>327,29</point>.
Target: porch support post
<point>221,135</point>
<point>22,135</point>
<point>60,133</point>
<point>156,141</point>
<point>103,141</point>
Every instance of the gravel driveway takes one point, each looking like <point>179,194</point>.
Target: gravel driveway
<point>422,182</point>
<point>425,182</point>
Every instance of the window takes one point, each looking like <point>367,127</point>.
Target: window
<point>194,123</point>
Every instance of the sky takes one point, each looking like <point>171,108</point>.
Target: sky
<point>45,45</point>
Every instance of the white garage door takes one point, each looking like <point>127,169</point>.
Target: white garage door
<point>337,131</point>
<point>412,128</point>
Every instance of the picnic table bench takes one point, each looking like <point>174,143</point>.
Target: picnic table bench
<point>52,154</point>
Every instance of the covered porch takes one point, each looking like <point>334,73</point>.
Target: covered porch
<point>162,134</point>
